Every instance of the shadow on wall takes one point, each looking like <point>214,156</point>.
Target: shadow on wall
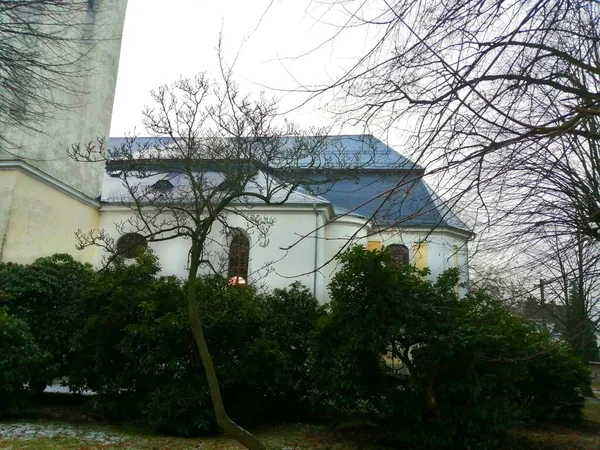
<point>595,372</point>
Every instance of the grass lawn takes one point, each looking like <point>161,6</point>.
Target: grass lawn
<point>292,437</point>
<point>592,411</point>
<point>555,437</point>
<point>71,433</point>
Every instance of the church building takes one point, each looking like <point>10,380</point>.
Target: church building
<point>46,197</point>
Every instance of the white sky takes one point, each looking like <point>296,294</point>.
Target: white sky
<point>161,43</point>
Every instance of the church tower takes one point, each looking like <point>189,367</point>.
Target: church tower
<point>45,196</point>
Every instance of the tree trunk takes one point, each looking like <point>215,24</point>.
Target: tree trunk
<point>225,423</point>
<point>430,399</point>
<point>415,384</point>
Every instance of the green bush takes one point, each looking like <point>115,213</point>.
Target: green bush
<point>20,362</point>
<point>171,376</point>
<point>136,349</point>
<point>291,318</point>
<point>259,346</point>
<point>116,297</point>
<point>47,294</point>
<point>554,386</point>
<point>465,370</point>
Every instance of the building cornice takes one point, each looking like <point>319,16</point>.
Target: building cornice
<point>49,180</point>
<point>348,219</point>
<point>259,208</point>
<point>440,229</point>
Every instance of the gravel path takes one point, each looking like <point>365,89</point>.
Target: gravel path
<point>29,431</point>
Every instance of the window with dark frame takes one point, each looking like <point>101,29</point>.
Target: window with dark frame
<point>239,256</point>
<point>131,245</point>
<point>399,253</point>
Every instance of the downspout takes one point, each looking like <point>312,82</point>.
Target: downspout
<point>316,250</point>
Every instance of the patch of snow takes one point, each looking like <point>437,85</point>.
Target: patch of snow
<point>58,388</point>
<point>30,431</point>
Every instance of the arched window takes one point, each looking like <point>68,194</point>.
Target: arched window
<point>239,255</point>
<point>399,252</point>
<point>131,244</point>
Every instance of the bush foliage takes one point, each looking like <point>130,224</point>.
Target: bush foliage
<point>48,295</point>
<point>21,361</point>
<point>436,370</point>
<point>442,371</point>
<point>138,353</point>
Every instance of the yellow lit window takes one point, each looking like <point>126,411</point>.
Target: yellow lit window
<point>374,245</point>
<point>420,255</point>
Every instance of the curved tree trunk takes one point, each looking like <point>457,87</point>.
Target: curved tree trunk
<point>412,373</point>
<point>227,425</point>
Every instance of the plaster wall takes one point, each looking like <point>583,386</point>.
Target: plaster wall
<point>339,235</point>
<point>40,220</point>
<point>445,249</point>
<point>272,263</point>
<point>82,104</point>
<point>8,180</point>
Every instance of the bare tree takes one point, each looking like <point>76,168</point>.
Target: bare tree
<point>44,45</point>
<point>568,270</point>
<point>502,282</point>
<point>555,283</point>
<point>216,154</point>
<point>499,94</point>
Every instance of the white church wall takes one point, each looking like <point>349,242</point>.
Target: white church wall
<point>289,254</point>
<point>273,265</point>
<point>8,180</point>
<point>86,103</point>
<point>40,219</point>
<point>445,248</point>
<point>340,234</point>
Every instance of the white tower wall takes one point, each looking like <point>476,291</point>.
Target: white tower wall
<point>78,108</point>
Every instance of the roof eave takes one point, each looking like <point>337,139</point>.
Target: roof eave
<point>469,234</point>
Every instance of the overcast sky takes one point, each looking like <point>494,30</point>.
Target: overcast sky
<point>272,38</point>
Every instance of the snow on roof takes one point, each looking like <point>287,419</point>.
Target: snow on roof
<point>378,171</point>
<point>115,191</point>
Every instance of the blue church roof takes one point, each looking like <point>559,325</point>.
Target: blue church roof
<point>386,186</point>
<point>362,150</point>
<point>367,152</point>
<point>399,198</point>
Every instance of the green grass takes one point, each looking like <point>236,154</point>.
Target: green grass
<point>299,437</point>
<point>592,411</point>
<point>555,437</point>
<point>295,437</point>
